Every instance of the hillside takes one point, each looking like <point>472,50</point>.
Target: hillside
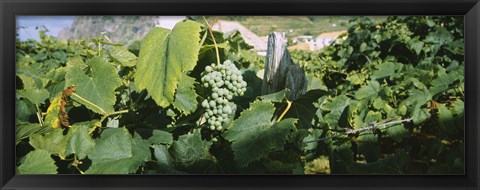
<point>120,29</point>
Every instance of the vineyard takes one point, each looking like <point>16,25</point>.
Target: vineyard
<point>386,97</point>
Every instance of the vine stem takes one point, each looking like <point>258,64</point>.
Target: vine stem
<point>213,38</point>
<point>99,124</point>
<point>289,104</point>
<point>113,113</point>
<point>88,102</point>
<point>39,115</point>
<point>372,126</point>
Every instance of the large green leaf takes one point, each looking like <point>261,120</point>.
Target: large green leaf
<point>186,98</point>
<point>80,143</point>
<point>54,142</point>
<point>95,83</point>
<point>191,151</point>
<point>164,57</point>
<point>254,135</point>
<point>117,153</point>
<point>38,162</point>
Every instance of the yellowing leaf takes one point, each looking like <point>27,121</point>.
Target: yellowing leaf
<point>52,118</point>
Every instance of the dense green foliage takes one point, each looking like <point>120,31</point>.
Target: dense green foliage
<point>97,107</point>
<point>405,67</point>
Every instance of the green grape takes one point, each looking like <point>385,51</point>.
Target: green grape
<point>227,109</point>
<point>206,78</point>
<point>208,69</point>
<point>212,103</point>
<point>215,95</point>
<point>205,104</point>
<point>244,84</point>
<point>220,92</point>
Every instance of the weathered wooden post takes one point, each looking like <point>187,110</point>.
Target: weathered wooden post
<point>280,70</point>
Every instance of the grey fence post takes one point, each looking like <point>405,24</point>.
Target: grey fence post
<point>280,70</point>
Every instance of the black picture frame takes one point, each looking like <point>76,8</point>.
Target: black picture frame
<point>9,9</point>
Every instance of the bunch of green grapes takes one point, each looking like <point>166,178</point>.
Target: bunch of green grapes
<point>224,81</point>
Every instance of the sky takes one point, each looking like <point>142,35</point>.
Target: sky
<point>26,25</point>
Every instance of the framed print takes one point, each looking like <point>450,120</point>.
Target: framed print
<point>239,95</point>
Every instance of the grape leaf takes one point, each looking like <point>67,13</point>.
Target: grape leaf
<point>54,142</point>
<point>38,162</point>
<point>303,108</point>
<point>23,109</point>
<point>113,144</point>
<point>397,132</point>
<point>164,56</point>
<point>384,70</point>
<point>369,91</point>
<point>161,137</point>
<point>36,96</point>
<point>33,89</point>
<point>336,107</point>
<point>419,115</point>
<point>276,96</point>
<point>165,161</point>
<point>80,143</point>
<point>97,84</point>
<point>123,56</point>
<point>116,152</point>
<point>191,151</point>
<point>254,135</point>
<point>441,83</point>
<point>186,98</point>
